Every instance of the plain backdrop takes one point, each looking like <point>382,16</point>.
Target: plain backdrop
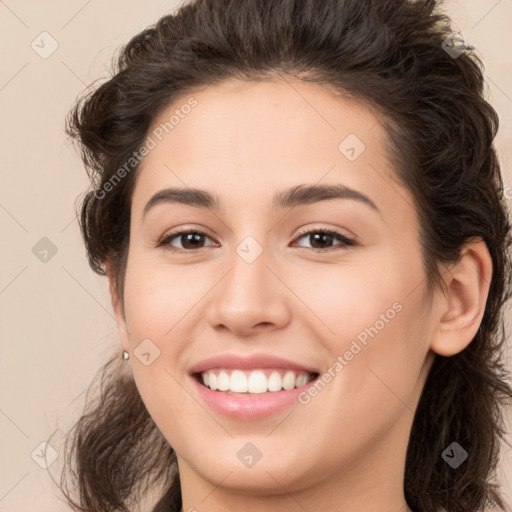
<point>57,327</point>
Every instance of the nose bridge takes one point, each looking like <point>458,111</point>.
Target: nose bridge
<point>248,281</point>
<point>249,294</point>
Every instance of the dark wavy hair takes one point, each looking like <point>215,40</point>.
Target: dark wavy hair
<point>390,55</point>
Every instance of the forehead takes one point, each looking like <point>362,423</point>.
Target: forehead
<point>282,113</point>
<point>249,139</point>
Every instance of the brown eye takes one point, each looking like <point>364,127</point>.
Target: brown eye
<point>189,239</point>
<point>319,238</point>
<point>193,239</point>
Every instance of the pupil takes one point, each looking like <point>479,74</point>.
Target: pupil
<point>192,237</point>
<point>321,235</point>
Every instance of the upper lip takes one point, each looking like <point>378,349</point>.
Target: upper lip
<point>235,361</point>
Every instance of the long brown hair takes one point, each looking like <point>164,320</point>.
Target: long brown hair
<point>392,55</point>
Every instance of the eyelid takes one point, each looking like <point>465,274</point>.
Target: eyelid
<point>333,231</point>
<point>346,241</point>
<point>182,231</point>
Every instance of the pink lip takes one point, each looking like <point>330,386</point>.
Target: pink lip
<point>248,407</point>
<point>235,361</point>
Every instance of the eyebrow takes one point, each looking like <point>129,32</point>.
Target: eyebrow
<point>289,198</point>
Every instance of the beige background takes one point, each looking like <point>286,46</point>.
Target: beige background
<point>57,327</point>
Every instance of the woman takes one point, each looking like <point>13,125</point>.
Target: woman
<point>301,216</point>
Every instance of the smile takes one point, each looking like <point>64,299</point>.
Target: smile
<point>254,381</point>
<point>250,386</point>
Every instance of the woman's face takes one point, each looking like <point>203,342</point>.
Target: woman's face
<point>266,281</point>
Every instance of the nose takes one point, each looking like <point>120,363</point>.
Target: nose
<point>250,298</point>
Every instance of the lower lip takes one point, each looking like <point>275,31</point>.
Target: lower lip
<point>249,406</point>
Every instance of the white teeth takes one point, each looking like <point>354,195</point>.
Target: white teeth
<point>275,383</point>
<point>213,381</point>
<point>238,382</point>
<point>223,381</point>
<point>254,381</point>
<point>257,382</point>
<point>289,381</point>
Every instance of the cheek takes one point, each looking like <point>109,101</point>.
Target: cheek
<point>163,304</point>
<point>378,371</point>
<point>378,320</point>
<point>156,297</point>
<point>352,298</point>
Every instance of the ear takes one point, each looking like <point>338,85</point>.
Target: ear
<point>467,287</point>
<point>117,306</point>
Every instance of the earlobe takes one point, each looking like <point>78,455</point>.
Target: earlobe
<point>463,304</point>
<point>117,306</point>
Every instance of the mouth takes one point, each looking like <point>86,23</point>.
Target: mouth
<point>250,387</point>
<point>255,381</point>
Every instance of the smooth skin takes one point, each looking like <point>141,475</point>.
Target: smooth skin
<point>301,300</point>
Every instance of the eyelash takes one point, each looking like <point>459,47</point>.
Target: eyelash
<point>346,242</point>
